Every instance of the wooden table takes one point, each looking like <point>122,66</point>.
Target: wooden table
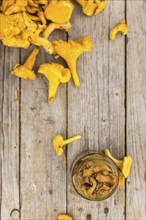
<point>108,110</point>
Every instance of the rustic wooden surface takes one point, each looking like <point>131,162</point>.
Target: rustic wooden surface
<point>108,110</point>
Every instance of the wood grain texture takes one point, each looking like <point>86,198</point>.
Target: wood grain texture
<point>2,57</point>
<point>9,140</point>
<point>136,109</point>
<point>34,182</point>
<point>43,173</point>
<point>96,109</point>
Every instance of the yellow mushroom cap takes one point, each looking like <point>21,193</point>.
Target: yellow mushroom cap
<point>127,162</point>
<point>57,70</point>
<point>59,11</point>
<point>70,51</point>
<point>58,143</point>
<point>64,217</point>
<point>56,74</point>
<point>11,25</point>
<point>13,6</point>
<point>91,7</point>
<point>23,72</point>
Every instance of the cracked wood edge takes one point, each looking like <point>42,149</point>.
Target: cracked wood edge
<point>96,110</point>
<point>9,132</point>
<point>136,109</point>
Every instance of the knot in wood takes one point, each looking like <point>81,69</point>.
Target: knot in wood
<point>15,214</point>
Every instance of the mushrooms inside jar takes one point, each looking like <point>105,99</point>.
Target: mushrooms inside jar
<point>96,180</point>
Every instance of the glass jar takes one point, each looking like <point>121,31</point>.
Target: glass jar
<point>94,176</point>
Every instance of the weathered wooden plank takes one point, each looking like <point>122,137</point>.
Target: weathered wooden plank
<point>136,109</point>
<point>96,109</point>
<point>43,173</point>
<point>9,134</point>
<point>2,54</point>
<point>1,101</point>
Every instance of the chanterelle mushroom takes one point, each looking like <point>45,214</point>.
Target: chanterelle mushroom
<point>59,143</point>
<point>11,29</point>
<point>70,51</point>
<point>33,30</point>
<point>92,7</point>
<point>42,17</point>
<point>64,217</point>
<point>18,30</point>
<point>59,11</point>
<point>32,10</point>
<point>56,74</point>
<point>91,189</point>
<point>42,2</point>
<point>25,71</point>
<point>13,6</point>
<point>52,26</point>
<point>33,4</point>
<point>121,180</point>
<point>124,165</point>
<point>5,4</point>
<point>121,27</point>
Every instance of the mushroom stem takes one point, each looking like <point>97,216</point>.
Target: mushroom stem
<point>72,67</point>
<point>33,4</point>
<point>119,163</point>
<point>52,91</point>
<point>52,26</point>
<point>42,17</point>
<point>30,61</point>
<point>70,140</point>
<point>58,143</point>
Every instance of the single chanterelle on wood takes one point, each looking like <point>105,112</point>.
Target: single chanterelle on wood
<point>56,74</point>
<point>25,71</point>
<point>121,27</point>
<point>70,51</point>
<point>59,143</point>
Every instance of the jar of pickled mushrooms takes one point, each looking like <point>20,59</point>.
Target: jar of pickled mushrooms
<point>95,176</point>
